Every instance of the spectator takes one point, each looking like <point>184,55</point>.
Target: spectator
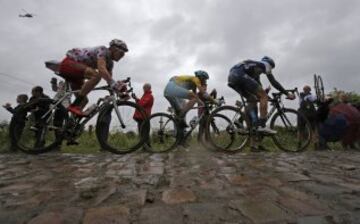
<point>307,108</point>
<point>17,117</point>
<point>37,93</point>
<point>20,99</point>
<point>60,90</point>
<point>146,101</point>
<point>39,109</point>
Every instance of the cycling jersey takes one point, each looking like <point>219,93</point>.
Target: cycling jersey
<point>178,88</point>
<point>188,81</point>
<point>89,56</point>
<point>253,68</point>
<point>246,76</point>
<point>86,56</point>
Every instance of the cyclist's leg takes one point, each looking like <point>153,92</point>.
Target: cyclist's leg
<point>93,78</point>
<point>176,96</point>
<point>76,84</point>
<point>175,104</point>
<point>254,91</point>
<point>263,98</point>
<point>73,72</point>
<point>247,87</point>
<point>76,73</point>
<point>173,93</point>
<point>192,99</point>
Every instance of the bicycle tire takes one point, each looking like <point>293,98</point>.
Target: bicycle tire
<point>280,138</point>
<point>230,128</point>
<point>316,86</point>
<point>131,135</point>
<point>157,134</point>
<point>322,90</point>
<point>23,126</point>
<point>205,138</point>
<point>319,88</point>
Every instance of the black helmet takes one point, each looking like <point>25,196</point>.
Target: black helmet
<point>269,60</point>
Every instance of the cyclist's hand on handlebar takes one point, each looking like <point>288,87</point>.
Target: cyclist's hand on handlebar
<point>117,86</point>
<point>217,102</point>
<point>133,95</point>
<point>290,96</point>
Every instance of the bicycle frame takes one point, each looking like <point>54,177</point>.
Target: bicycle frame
<point>100,105</point>
<point>204,114</point>
<point>275,102</point>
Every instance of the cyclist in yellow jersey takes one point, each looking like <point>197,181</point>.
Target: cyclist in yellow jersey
<point>185,87</point>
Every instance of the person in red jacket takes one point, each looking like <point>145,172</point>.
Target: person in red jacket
<point>146,101</point>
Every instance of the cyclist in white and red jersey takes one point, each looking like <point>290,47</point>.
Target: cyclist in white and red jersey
<point>91,64</point>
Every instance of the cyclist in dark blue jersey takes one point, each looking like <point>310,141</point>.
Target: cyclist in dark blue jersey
<point>244,78</point>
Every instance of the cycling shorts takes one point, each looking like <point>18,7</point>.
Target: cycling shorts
<point>243,83</point>
<point>72,73</point>
<point>176,94</point>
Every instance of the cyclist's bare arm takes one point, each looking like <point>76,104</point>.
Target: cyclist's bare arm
<point>104,73</point>
<point>202,92</point>
<point>279,87</point>
<point>275,83</point>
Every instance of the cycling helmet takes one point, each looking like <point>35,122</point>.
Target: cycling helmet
<point>269,60</point>
<point>120,44</point>
<point>201,74</point>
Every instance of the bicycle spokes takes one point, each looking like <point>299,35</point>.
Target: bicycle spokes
<point>118,130</point>
<point>293,130</point>
<point>163,134</point>
<point>225,129</point>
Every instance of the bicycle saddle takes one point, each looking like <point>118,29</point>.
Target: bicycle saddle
<point>53,65</point>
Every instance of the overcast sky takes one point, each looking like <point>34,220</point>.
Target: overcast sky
<point>170,37</point>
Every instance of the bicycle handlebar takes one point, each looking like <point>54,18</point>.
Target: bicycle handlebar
<point>107,87</point>
<point>295,90</point>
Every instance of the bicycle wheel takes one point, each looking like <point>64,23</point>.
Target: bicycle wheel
<point>319,88</point>
<point>163,134</point>
<point>226,129</point>
<point>290,136</point>
<point>37,126</point>
<point>121,137</point>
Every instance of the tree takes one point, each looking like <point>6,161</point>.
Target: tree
<point>346,97</point>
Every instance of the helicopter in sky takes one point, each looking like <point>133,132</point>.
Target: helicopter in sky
<point>26,14</point>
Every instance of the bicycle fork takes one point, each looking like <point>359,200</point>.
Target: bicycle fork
<point>118,113</point>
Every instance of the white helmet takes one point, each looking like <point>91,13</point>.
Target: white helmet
<point>120,44</point>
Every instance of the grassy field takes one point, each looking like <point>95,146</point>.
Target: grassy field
<point>89,144</point>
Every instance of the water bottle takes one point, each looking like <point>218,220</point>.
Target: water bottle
<point>90,109</point>
<point>194,121</point>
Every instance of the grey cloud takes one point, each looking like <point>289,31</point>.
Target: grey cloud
<point>304,37</point>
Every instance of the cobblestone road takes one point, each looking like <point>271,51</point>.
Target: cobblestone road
<point>194,186</point>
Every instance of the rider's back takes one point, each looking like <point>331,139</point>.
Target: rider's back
<point>90,55</point>
<point>188,81</point>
